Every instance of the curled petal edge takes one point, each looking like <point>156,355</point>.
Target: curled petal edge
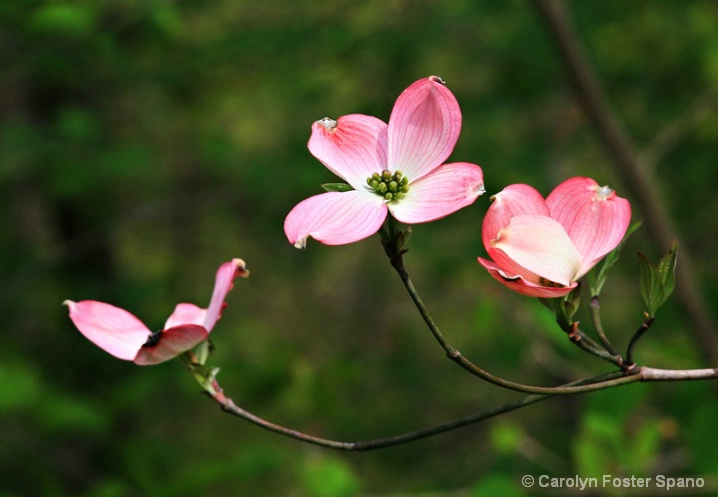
<point>519,285</point>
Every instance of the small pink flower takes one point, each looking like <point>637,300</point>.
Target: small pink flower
<point>121,334</point>
<point>541,248</point>
<point>397,168</point>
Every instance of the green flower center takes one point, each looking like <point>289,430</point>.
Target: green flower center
<point>390,186</point>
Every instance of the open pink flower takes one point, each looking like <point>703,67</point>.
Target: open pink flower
<point>541,248</point>
<point>395,168</point>
<point>121,334</point>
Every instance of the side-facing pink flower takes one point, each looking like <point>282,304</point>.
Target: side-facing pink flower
<point>541,248</point>
<point>121,334</point>
<point>397,168</point>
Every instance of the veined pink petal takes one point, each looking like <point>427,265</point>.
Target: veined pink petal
<point>511,201</point>
<point>335,218</point>
<point>223,283</point>
<point>114,330</point>
<point>539,244</point>
<point>443,191</point>
<point>423,128</point>
<point>353,147</point>
<point>520,285</point>
<point>186,314</point>
<point>171,343</point>
<point>594,217</point>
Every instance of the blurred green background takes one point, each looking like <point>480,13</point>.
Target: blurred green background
<point>143,143</point>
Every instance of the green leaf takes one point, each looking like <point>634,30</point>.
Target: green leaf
<point>667,269</point>
<point>337,187</point>
<point>564,308</point>
<point>204,375</point>
<point>597,277</point>
<point>658,281</point>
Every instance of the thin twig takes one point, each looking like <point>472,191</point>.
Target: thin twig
<point>228,405</point>
<point>612,379</point>
<point>594,308</point>
<point>642,187</point>
<point>456,356</point>
<point>634,340</point>
<point>584,342</point>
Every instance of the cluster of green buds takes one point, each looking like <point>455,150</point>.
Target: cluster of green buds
<point>390,186</point>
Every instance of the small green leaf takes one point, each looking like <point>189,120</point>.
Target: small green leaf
<point>658,281</point>
<point>337,187</point>
<point>564,308</point>
<point>667,269</point>
<point>597,277</point>
<point>202,352</point>
<point>204,375</point>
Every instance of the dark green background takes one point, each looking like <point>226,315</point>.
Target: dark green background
<point>143,143</point>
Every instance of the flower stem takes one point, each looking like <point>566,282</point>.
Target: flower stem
<point>227,405</point>
<point>584,342</point>
<point>453,354</point>
<point>595,309</point>
<point>634,339</point>
<point>606,380</point>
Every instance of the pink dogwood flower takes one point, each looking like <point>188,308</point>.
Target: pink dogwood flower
<point>123,335</point>
<point>396,168</point>
<point>541,248</point>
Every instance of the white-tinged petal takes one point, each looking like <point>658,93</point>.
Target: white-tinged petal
<point>511,201</point>
<point>335,218</point>
<point>541,245</point>
<point>353,147</point>
<point>443,191</point>
<point>423,128</point>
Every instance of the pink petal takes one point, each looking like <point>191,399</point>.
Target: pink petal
<point>353,147</point>
<point>172,342</point>
<point>594,217</point>
<point>423,128</point>
<point>114,330</point>
<point>540,245</point>
<point>523,286</point>
<point>191,314</point>
<point>511,201</point>
<point>443,191</point>
<point>186,314</point>
<point>335,218</point>
<point>224,282</point>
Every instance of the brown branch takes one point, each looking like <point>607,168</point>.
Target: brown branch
<point>640,185</point>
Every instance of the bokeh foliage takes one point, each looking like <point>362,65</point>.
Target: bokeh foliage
<point>142,143</point>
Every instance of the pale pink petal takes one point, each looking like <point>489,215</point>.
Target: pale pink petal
<point>423,128</point>
<point>114,330</point>
<point>171,343</point>
<point>594,217</point>
<point>511,201</point>
<point>523,286</point>
<point>539,244</point>
<point>353,147</point>
<point>335,218</point>
<point>223,283</point>
<point>186,314</point>
<point>443,191</point>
